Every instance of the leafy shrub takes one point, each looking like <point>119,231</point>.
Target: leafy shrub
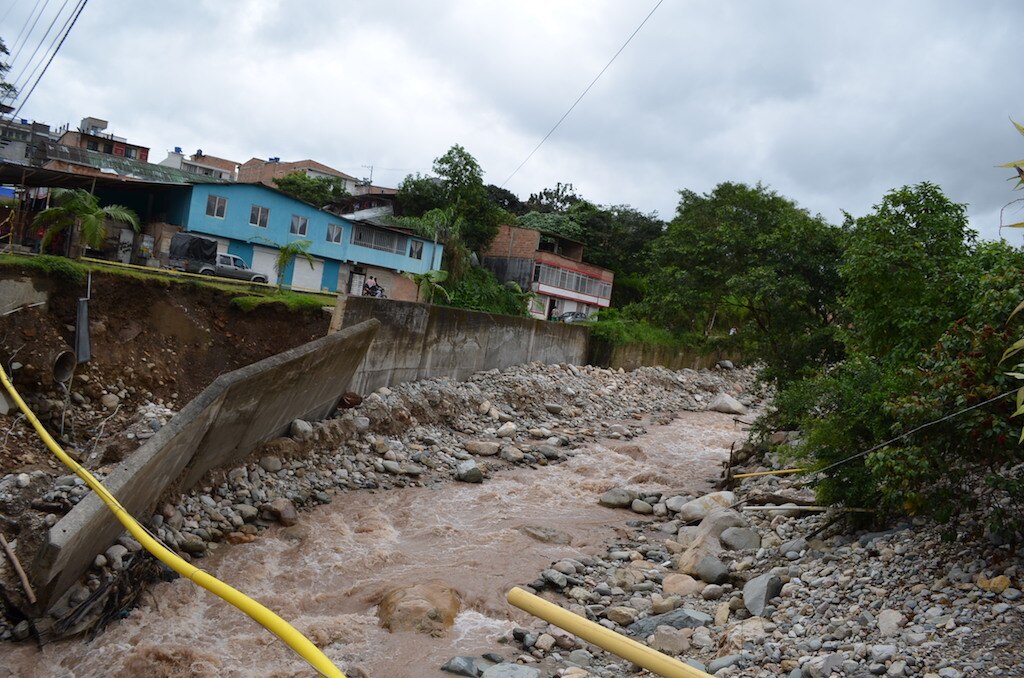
<point>479,290</point>
<point>293,301</point>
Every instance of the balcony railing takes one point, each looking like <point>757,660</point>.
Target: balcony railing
<point>571,280</point>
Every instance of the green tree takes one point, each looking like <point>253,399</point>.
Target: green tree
<point>748,257</point>
<point>431,282</point>
<point>79,209</point>
<point>552,223</point>
<point>7,90</point>
<point>559,199</point>
<point>462,179</point>
<point>317,191</point>
<point>418,194</point>
<point>903,272</point>
<point>506,199</point>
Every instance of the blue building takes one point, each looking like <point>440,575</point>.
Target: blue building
<point>252,221</point>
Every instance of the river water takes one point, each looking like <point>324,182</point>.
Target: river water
<point>326,574</point>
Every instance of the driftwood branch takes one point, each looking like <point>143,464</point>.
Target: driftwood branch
<point>17,568</point>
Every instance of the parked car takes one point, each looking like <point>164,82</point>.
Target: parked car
<point>573,317</point>
<point>199,255</point>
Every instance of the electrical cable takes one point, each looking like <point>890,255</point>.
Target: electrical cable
<point>31,58</point>
<point>28,35</point>
<point>21,33</point>
<point>81,8</point>
<point>912,431</point>
<point>17,84</point>
<point>580,98</point>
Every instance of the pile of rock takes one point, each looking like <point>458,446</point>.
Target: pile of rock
<point>757,594</point>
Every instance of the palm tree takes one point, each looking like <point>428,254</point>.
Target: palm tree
<point>286,254</point>
<point>80,208</point>
<point>431,280</point>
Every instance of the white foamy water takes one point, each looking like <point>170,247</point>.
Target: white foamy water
<point>326,574</point>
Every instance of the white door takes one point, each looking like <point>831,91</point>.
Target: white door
<point>263,260</point>
<point>306,277</point>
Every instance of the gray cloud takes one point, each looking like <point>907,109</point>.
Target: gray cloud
<point>831,105</point>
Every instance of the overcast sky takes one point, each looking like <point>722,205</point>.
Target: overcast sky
<point>830,104</point>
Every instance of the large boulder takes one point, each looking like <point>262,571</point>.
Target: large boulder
<point>759,591</point>
<point>697,509</point>
<point>726,404</point>
<point>704,540</point>
<point>483,448</point>
<point>682,618</point>
<point>617,497</point>
<point>429,607</point>
<point>740,539</point>
<point>712,570</point>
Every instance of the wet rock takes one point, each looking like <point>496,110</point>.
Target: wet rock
<point>191,543</point>
<point>642,507</point>
<point>547,535</point>
<point>462,666</point>
<point>617,497</point>
<point>468,472</point>
<point>429,607</point>
<point>726,404</point>
<point>283,511</point>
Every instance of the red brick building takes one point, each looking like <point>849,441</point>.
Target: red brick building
<point>551,266</point>
<point>91,136</point>
<point>256,171</point>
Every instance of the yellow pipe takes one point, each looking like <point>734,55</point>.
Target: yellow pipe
<point>262,615</point>
<point>616,643</point>
<point>769,473</point>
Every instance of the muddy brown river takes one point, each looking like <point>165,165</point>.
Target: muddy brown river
<point>325,574</point>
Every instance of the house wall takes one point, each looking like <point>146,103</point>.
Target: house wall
<point>235,226</point>
<point>515,242</point>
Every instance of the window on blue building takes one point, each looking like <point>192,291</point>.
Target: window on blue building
<point>258,216</point>
<point>299,225</point>
<point>333,233</point>
<point>385,241</point>
<point>216,206</point>
<point>415,249</point>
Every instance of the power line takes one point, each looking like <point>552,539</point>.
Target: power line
<point>580,98</point>
<point>29,34</point>
<point>67,32</point>
<point>17,84</point>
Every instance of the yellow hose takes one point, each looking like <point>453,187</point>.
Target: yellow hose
<point>262,615</point>
<point>617,644</point>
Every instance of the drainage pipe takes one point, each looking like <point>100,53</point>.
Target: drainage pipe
<point>262,615</point>
<point>617,644</point>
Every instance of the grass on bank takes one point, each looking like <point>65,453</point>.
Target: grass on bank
<point>75,272</point>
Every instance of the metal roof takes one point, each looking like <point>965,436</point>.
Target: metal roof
<point>126,168</point>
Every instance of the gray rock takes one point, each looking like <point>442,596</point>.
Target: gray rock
<point>510,671</point>
<point>301,430</point>
<point>469,472</point>
<point>740,539</point>
<point>724,662</point>
<point>759,591</point>
<point>483,448</point>
<point>682,618</point>
<point>726,404</point>
<point>642,507</point>
<point>726,365</point>
<point>555,577</point>
<point>821,667</point>
<point>462,666</point>
<point>506,430</point>
<point>713,571</point>
<point>553,408</point>
<point>271,464</point>
<point>361,424</point>
<point>109,401</point>
<point>698,509</point>
<point>617,497</point>
<point>890,622</point>
<point>392,466</point>
<point>881,653</point>
<point>793,545</point>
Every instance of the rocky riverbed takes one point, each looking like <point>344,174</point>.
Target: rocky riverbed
<point>734,592</point>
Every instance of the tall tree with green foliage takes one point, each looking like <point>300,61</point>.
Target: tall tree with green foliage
<point>317,191</point>
<point>79,209</point>
<point>903,271</point>
<point>748,257</point>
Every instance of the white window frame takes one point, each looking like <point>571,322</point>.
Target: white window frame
<point>219,204</point>
<point>416,249</point>
<point>337,230</point>
<point>262,216</point>
<point>379,239</point>
<point>300,225</point>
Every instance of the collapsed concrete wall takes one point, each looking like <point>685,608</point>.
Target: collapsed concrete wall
<point>420,341</point>
<point>219,428</point>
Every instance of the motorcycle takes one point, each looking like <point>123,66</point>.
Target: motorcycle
<point>374,290</point>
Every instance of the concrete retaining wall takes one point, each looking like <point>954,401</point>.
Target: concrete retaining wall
<point>420,341</point>
<point>219,428</point>
<point>632,356</point>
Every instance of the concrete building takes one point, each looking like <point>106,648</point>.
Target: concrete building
<point>91,136</point>
<point>551,266</point>
<point>264,172</point>
<point>17,137</point>
<point>202,165</point>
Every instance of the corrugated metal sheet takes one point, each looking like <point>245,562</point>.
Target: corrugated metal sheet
<point>122,167</point>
